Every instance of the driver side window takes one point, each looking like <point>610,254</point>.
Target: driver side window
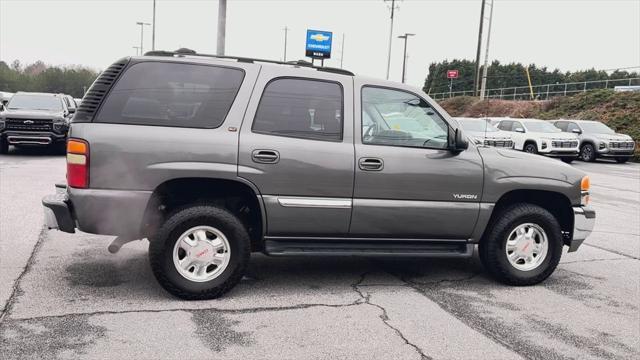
<point>398,118</point>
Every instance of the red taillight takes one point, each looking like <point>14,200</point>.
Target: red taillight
<point>78,163</point>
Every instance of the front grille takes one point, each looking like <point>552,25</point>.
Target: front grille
<point>29,124</point>
<point>621,145</point>
<point>92,99</point>
<point>499,143</point>
<point>564,144</point>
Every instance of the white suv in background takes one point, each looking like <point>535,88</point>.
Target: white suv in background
<point>482,132</point>
<point>541,137</point>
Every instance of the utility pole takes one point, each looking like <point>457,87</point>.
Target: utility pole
<point>404,57</point>
<point>153,28</point>
<point>137,49</point>
<point>142,24</point>
<point>222,25</point>
<point>476,80</point>
<point>286,30</point>
<point>342,51</point>
<point>393,8</point>
<point>485,68</point>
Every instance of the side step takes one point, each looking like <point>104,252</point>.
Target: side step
<point>375,247</point>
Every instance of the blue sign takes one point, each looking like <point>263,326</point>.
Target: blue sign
<point>319,44</point>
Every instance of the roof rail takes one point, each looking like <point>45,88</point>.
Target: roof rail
<point>182,52</point>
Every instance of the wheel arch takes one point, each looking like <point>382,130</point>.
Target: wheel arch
<point>558,204</point>
<point>237,195</point>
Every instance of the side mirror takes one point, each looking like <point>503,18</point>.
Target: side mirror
<point>460,142</point>
<point>576,131</point>
<point>520,130</point>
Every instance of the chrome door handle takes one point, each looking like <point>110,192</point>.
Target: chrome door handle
<point>370,164</point>
<point>265,156</point>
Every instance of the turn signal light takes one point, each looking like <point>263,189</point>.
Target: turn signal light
<point>585,184</point>
<point>585,197</point>
<point>78,163</point>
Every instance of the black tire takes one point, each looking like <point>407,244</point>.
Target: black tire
<point>622,159</point>
<point>531,148</point>
<point>588,153</point>
<point>567,160</point>
<point>161,251</point>
<point>492,248</point>
<point>4,147</point>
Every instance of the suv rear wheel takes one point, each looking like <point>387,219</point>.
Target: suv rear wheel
<point>523,246</point>
<point>200,252</point>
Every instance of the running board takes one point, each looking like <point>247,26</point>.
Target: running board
<point>374,247</point>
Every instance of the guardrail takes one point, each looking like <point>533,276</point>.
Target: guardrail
<point>542,92</point>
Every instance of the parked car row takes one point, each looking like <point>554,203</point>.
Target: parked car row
<point>36,119</point>
<point>564,139</point>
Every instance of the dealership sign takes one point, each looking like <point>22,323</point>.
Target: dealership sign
<point>452,74</point>
<point>318,44</point>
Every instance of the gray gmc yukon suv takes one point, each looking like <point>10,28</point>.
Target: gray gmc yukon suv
<point>212,158</point>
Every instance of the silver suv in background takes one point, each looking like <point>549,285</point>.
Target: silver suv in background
<point>482,132</point>
<point>214,158</point>
<point>598,140</point>
<point>541,137</point>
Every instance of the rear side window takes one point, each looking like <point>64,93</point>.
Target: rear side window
<point>301,108</point>
<point>505,125</point>
<point>166,94</point>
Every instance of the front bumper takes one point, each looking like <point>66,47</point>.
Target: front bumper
<point>561,153</point>
<point>584,219</point>
<point>32,137</point>
<point>57,211</point>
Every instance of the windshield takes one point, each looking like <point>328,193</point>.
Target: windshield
<point>596,128</point>
<point>541,126</point>
<point>34,102</point>
<point>477,125</point>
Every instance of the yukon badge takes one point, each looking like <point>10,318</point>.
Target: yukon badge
<point>465,196</point>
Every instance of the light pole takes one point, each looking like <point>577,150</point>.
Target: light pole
<point>483,86</point>
<point>153,28</point>
<point>137,49</point>
<point>222,26</point>
<point>142,24</point>
<point>286,30</point>
<point>404,58</point>
<point>393,8</point>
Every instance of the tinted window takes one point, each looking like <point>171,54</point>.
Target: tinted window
<point>182,95</point>
<point>35,102</point>
<point>399,118</point>
<point>505,125</point>
<point>572,126</point>
<point>301,108</point>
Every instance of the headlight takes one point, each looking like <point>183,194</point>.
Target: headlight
<point>585,185</point>
<point>602,145</point>
<point>60,125</point>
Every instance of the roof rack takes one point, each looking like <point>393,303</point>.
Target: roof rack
<point>188,52</point>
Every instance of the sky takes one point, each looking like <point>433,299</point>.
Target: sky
<point>565,34</point>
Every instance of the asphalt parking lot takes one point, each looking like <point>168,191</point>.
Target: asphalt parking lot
<point>65,296</point>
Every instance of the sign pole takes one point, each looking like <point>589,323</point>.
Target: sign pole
<point>450,86</point>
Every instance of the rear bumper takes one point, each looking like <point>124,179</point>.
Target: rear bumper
<point>57,211</point>
<point>584,219</point>
<point>96,211</point>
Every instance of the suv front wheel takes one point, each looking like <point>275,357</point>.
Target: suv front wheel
<point>200,252</point>
<point>523,246</point>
